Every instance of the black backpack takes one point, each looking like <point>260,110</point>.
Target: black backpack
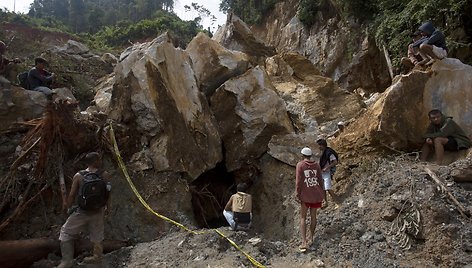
<point>93,193</point>
<point>335,154</point>
<point>23,80</point>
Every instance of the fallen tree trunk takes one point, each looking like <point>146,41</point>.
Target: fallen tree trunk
<point>23,253</point>
<point>435,178</point>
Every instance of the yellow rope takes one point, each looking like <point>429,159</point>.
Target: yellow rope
<point>145,204</point>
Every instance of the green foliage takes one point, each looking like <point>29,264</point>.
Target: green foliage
<point>250,11</point>
<point>362,10</point>
<point>307,10</point>
<point>86,15</point>
<point>126,31</point>
<point>44,23</point>
<point>108,24</point>
<point>397,19</point>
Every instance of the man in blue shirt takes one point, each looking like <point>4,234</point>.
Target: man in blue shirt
<point>433,46</point>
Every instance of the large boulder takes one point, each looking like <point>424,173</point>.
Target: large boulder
<point>288,64</point>
<point>398,119</point>
<point>103,96</point>
<point>311,99</point>
<point>78,69</point>
<point>155,94</point>
<point>249,112</point>
<point>28,105</point>
<point>287,148</point>
<point>449,89</point>
<point>213,64</point>
<point>236,35</point>
<point>73,47</point>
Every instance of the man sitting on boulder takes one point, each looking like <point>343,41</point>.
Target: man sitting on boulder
<point>443,134</point>
<point>414,55</point>
<point>39,79</point>
<point>4,82</point>
<point>238,210</point>
<point>434,46</point>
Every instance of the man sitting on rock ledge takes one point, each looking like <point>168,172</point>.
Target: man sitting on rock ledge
<point>39,79</point>
<point>443,134</point>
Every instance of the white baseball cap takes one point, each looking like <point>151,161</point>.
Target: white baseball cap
<point>306,151</point>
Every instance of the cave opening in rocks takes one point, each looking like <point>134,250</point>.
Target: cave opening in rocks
<point>210,192</point>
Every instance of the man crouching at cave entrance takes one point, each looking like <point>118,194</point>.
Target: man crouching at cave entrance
<point>443,134</point>
<point>238,210</point>
<point>87,202</point>
<point>309,193</point>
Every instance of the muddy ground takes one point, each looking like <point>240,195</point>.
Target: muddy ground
<point>376,193</point>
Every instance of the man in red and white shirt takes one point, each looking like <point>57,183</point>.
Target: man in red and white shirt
<point>309,193</point>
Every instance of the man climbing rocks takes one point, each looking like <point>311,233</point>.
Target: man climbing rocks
<point>433,46</point>
<point>89,191</point>
<point>328,162</point>
<point>443,134</point>
<point>309,193</point>
<point>4,82</point>
<point>39,79</point>
<point>414,55</point>
<point>238,210</point>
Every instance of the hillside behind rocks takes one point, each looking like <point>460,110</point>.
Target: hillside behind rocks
<point>189,131</point>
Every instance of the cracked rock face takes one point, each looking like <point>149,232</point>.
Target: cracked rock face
<point>398,119</point>
<point>236,35</point>
<point>155,93</point>
<point>249,112</point>
<point>213,64</point>
<point>340,49</point>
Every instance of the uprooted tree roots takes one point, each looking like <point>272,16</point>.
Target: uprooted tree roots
<point>58,136</point>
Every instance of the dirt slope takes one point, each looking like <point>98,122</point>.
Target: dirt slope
<point>358,234</point>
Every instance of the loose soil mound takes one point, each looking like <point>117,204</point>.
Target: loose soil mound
<point>362,232</point>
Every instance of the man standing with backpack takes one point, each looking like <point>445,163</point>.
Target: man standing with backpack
<point>328,161</point>
<point>90,193</point>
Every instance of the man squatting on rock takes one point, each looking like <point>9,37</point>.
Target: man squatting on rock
<point>433,46</point>
<point>88,214</point>
<point>309,193</point>
<point>5,83</point>
<point>238,210</point>
<point>443,134</point>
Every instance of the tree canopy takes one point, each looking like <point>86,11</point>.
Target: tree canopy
<point>90,15</point>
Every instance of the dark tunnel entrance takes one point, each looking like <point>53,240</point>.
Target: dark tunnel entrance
<point>210,192</point>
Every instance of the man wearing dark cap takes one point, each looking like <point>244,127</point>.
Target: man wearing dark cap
<point>39,79</point>
<point>414,54</point>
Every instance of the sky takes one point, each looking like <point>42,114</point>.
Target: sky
<point>22,6</point>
